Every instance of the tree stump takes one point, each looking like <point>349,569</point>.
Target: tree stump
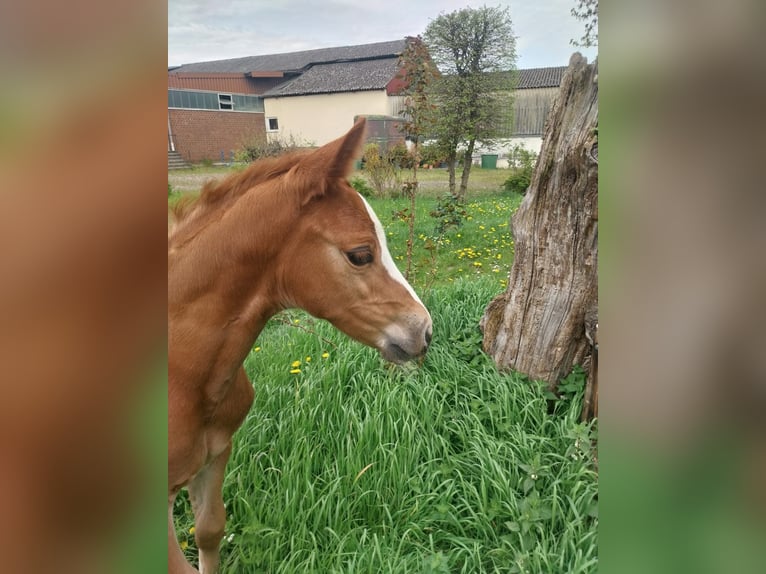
<point>538,325</point>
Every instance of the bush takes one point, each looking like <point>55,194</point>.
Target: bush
<point>272,146</point>
<point>449,213</point>
<point>518,181</point>
<point>383,175</point>
<point>361,186</point>
<point>430,154</point>
<point>522,164</point>
<point>400,157</point>
<point>520,157</point>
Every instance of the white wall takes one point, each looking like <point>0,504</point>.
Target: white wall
<point>501,148</point>
<point>320,118</point>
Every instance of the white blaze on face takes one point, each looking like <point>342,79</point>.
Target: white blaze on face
<point>385,256</point>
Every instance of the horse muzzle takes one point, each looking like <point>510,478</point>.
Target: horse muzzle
<point>402,345</point>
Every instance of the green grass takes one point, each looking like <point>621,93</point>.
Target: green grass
<point>466,468</point>
<point>355,466</point>
<point>481,247</point>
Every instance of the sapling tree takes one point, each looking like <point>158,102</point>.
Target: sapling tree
<point>419,73</point>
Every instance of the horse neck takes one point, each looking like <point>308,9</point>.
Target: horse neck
<point>222,284</point>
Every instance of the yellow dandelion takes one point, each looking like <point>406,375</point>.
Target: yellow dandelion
<point>325,355</point>
<point>184,545</point>
<point>297,321</point>
<point>257,349</point>
<point>295,371</point>
<point>308,359</point>
<point>191,530</point>
<point>295,364</point>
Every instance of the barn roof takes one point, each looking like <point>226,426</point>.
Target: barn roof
<point>341,69</point>
<point>351,76</point>
<point>296,61</point>
<point>540,77</point>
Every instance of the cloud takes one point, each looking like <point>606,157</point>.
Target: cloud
<point>204,30</point>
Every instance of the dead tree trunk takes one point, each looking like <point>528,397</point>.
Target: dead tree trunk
<point>538,326</point>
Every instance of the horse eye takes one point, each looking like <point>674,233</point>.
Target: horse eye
<point>360,256</point>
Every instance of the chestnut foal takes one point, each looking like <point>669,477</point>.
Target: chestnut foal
<point>285,233</point>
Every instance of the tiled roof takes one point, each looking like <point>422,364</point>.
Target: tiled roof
<point>540,77</point>
<point>340,77</point>
<point>294,61</point>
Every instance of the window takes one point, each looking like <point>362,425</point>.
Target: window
<point>225,102</point>
<point>201,100</point>
<point>273,124</point>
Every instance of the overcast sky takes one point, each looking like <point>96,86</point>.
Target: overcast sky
<point>200,30</point>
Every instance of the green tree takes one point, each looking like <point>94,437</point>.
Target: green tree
<point>469,46</point>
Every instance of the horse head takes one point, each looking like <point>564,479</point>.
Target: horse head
<point>335,263</point>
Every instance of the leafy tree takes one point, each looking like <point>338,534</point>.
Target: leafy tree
<point>587,12</point>
<point>470,46</point>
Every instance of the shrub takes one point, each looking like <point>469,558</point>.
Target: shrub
<point>520,157</point>
<point>522,164</point>
<point>273,145</point>
<point>518,181</point>
<point>400,157</point>
<point>383,175</point>
<point>430,154</point>
<point>360,185</point>
<point>449,213</point>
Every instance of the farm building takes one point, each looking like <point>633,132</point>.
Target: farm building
<point>536,89</point>
<point>533,97</point>
<point>313,96</point>
<point>310,96</point>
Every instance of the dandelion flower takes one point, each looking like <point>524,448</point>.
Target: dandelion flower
<point>184,545</point>
<point>191,530</point>
<point>295,371</point>
<point>325,355</point>
<point>308,359</point>
<point>257,349</point>
<point>295,364</point>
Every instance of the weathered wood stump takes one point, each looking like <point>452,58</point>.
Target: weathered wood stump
<point>546,320</point>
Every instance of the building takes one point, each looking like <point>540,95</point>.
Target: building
<point>310,97</point>
<point>524,123</point>
<point>536,90</point>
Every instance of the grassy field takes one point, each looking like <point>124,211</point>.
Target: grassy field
<point>348,465</point>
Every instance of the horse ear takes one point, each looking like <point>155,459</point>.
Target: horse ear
<point>334,160</point>
<point>343,151</point>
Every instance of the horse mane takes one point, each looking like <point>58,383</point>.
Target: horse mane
<point>191,215</point>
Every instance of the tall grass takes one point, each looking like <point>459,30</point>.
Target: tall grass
<point>354,466</point>
<point>348,465</point>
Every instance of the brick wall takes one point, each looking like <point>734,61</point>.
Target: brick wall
<point>203,134</point>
